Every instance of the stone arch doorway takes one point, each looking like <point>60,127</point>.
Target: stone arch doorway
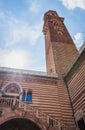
<point>19,124</point>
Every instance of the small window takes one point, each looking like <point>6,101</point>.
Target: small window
<point>29,97</point>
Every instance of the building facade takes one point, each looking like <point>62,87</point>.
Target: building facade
<point>54,100</point>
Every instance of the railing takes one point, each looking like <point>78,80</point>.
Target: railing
<point>33,112</point>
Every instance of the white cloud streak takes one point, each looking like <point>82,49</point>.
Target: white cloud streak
<point>78,39</point>
<point>34,6</point>
<point>13,32</point>
<point>19,31</point>
<point>13,58</point>
<point>23,33</point>
<point>72,4</point>
<point>19,59</point>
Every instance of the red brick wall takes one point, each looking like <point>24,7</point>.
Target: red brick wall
<point>76,84</point>
<point>48,94</point>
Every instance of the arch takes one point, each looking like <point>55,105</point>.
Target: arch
<point>12,87</point>
<point>19,123</point>
<point>12,115</point>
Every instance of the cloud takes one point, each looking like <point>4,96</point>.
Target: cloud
<point>23,33</point>
<point>78,39</point>
<point>72,4</point>
<point>14,59</point>
<point>34,6</point>
<point>15,31</point>
<point>20,59</point>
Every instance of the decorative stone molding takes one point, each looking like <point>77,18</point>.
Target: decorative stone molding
<point>29,79</point>
<point>23,110</point>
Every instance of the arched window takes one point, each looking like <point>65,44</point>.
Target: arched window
<point>12,89</point>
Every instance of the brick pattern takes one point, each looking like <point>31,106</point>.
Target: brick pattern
<point>64,56</point>
<point>48,95</point>
<point>76,86</point>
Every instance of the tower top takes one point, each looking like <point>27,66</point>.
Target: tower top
<point>51,13</point>
<point>51,16</point>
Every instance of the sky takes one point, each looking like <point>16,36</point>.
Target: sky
<point>22,42</point>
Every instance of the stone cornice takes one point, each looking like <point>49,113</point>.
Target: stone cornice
<point>28,78</point>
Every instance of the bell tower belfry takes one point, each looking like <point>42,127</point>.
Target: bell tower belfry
<point>60,49</point>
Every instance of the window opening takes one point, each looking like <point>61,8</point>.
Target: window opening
<point>27,96</point>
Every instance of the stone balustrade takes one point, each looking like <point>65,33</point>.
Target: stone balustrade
<point>28,108</point>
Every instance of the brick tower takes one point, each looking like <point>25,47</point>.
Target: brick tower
<point>60,49</point>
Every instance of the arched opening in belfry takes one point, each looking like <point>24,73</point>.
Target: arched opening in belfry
<point>19,124</point>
